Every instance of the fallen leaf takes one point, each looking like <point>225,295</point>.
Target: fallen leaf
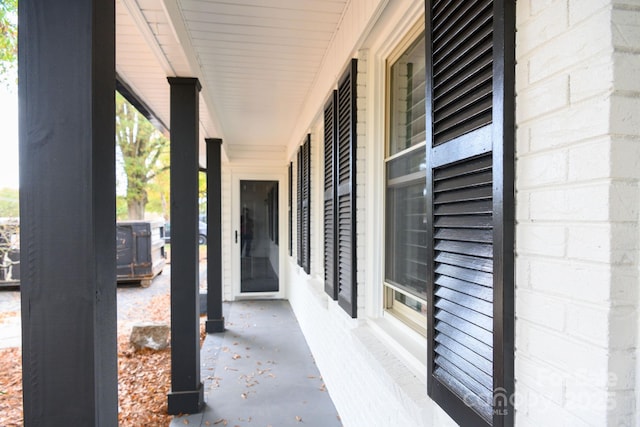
<point>243,395</point>
<point>236,356</point>
<point>185,421</point>
<point>298,419</point>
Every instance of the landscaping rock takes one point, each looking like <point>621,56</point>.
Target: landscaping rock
<point>150,335</point>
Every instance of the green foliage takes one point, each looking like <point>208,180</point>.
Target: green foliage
<point>9,206</point>
<point>122,210</point>
<point>8,39</point>
<point>144,151</point>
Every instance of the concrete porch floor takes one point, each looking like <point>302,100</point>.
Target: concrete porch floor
<point>260,372</point>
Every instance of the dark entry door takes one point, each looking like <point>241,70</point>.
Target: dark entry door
<point>259,245</point>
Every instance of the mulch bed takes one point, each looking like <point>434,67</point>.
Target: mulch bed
<point>144,379</point>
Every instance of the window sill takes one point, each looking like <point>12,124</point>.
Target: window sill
<point>407,344</point>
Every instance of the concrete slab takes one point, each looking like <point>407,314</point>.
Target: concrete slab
<point>260,372</point>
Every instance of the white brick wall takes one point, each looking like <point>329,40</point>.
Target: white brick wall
<point>577,196</point>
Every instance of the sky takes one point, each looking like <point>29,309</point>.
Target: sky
<point>8,137</point>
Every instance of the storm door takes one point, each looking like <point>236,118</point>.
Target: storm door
<point>258,236</point>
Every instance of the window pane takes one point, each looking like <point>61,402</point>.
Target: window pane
<point>407,166</point>
<point>409,302</point>
<point>408,99</point>
<point>406,237</point>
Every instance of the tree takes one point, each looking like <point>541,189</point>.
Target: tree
<point>9,206</point>
<point>8,40</point>
<point>141,146</point>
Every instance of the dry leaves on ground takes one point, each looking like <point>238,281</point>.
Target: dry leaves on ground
<point>144,379</point>
<point>10,387</point>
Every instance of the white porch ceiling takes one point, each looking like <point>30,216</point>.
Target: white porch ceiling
<point>257,61</point>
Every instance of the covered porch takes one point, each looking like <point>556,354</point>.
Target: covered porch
<point>231,83</point>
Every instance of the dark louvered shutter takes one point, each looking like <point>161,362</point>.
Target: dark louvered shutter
<point>304,239</point>
<point>330,188</point>
<point>290,204</point>
<point>299,226</point>
<point>470,174</point>
<point>346,180</point>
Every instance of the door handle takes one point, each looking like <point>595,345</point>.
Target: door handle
<point>236,236</point>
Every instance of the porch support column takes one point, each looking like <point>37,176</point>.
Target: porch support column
<point>186,394</point>
<point>67,212</point>
<point>215,319</point>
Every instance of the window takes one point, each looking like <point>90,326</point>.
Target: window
<point>406,210</point>
<point>304,205</point>
<point>340,192</point>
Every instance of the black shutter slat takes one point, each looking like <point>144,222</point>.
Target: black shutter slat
<point>478,375</point>
<point>457,13</point>
<point>478,277</point>
<point>330,198</point>
<point>465,261</point>
<point>464,221</point>
<point>477,249</point>
<point>442,10</point>
<point>469,382</point>
<point>471,322</point>
<point>466,120</point>
<point>450,59</point>
<point>346,190</point>
<point>470,398</point>
<point>466,301</point>
<point>462,83</point>
<point>466,340</point>
<point>465,194</point>
<point>468,288</point>
<point>467,354</point>
<point>457,32</point>
<point>469,166</point>
<point>451,90</point>
<point>463,181</point>
<point>465,208</point>
<point>465,235</point>
<point>475,101</point>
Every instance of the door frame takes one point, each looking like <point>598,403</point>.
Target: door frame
<point>281,179</point>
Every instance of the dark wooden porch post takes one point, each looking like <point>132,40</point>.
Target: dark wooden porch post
<point>186,394</point>
<point>215,319</point>
<point>67,207</point>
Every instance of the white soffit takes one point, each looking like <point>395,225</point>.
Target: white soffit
<point>257,61</point>
<point>147,52</point>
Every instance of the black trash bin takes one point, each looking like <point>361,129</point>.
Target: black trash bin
<point>9,252</point>
<point>140,251</point>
